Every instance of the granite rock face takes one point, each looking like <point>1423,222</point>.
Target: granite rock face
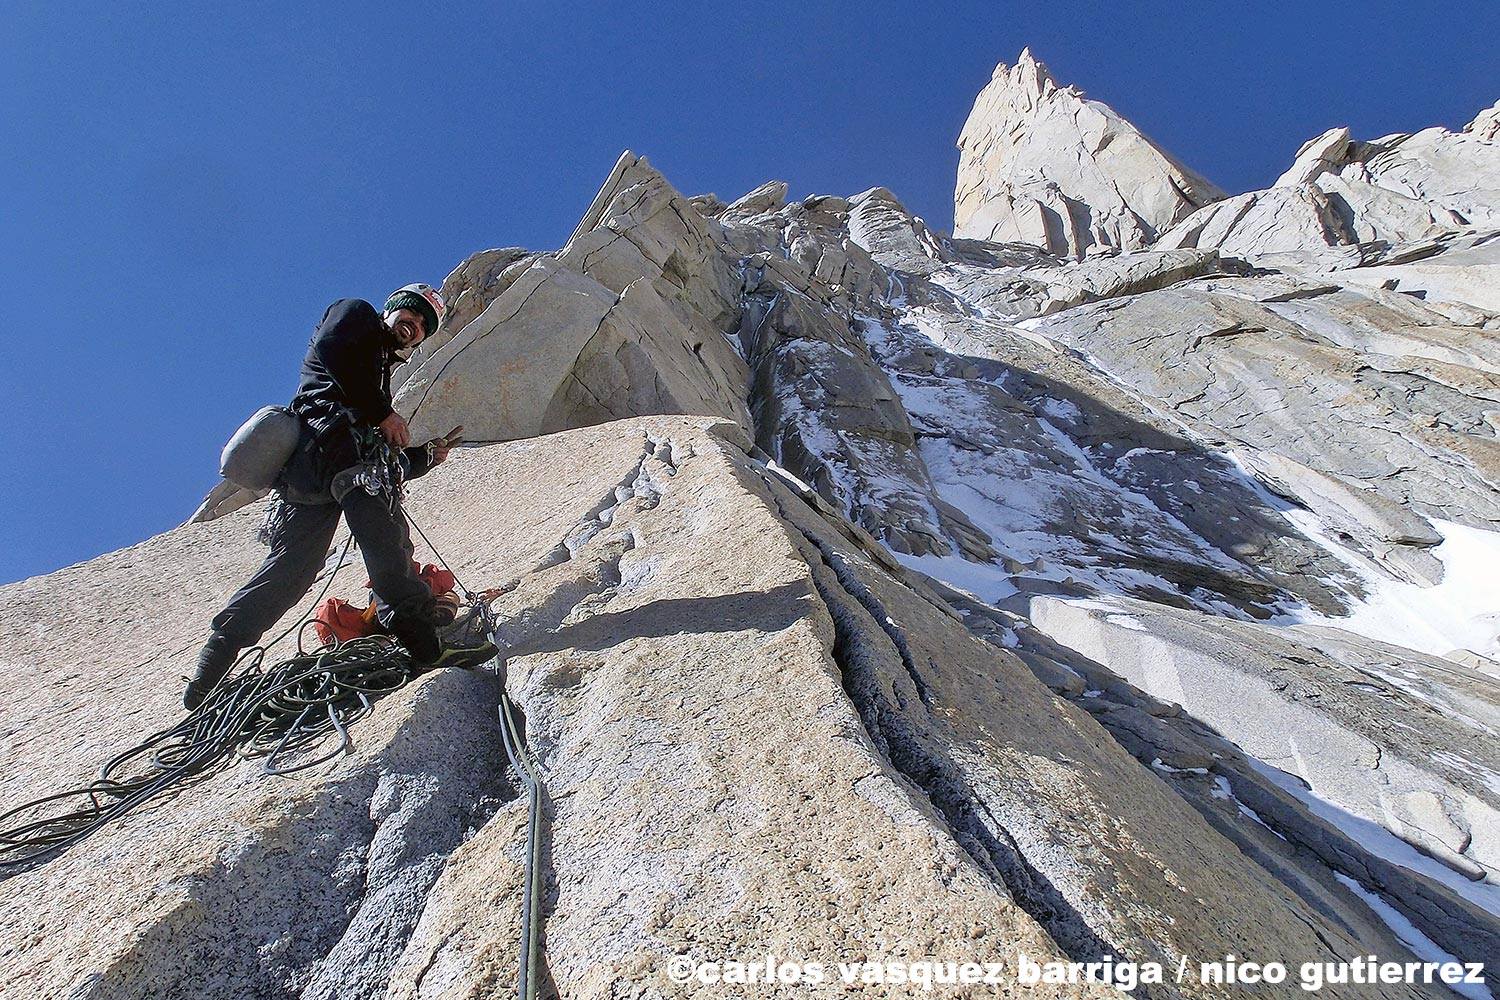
<point>468,289</point>
<point>800,749</point>
<point>1060,587</point>
<point>1039,163</point>
<point>1302,372</point>
<point>631,317</point>
<point>1362,724</point>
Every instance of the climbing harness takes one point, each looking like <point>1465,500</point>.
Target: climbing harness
<point>378,472</point>
<point>375,479</point>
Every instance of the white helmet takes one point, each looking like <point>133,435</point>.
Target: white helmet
<point>435,309</point>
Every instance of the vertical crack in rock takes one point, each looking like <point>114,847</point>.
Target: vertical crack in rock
<point>896,734</point>
<point>431,380</point>
<point>856,589</point>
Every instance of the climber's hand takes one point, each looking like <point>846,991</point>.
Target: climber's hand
<point>393,428</point>
<point>441,446</point>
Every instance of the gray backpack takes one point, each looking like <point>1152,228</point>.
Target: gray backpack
<point>260,449</point>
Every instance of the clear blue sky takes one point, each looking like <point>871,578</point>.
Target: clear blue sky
<point>184,187</point>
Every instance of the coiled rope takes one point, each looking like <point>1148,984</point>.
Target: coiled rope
<point>277,713</point>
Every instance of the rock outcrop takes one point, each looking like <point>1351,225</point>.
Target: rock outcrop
<point>871,595</point>
<point>1359,724</point>
<point>468,289</point>
<point>1341,192</point>
<point>1039,163</point>
<point>1301,371</point>
<point>631,317</point>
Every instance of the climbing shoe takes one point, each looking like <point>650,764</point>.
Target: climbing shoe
<point>214,660</point>
<point>461,657</point>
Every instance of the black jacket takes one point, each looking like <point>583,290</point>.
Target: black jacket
<point>343,394</point>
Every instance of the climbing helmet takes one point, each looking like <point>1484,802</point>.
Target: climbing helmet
<point>422,298</point>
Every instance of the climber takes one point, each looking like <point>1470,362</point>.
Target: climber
<point>352,455</point>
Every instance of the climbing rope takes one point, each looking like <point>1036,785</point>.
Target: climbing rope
<point>279,713</point>
<point>513,735</point>
<point>275,713</point>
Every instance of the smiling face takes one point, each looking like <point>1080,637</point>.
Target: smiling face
<point>407,326</point>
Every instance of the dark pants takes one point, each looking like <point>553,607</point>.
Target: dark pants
<point>299,546</point>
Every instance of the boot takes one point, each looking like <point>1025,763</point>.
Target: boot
<point>417,636</point>
<point>414,630</point>
<point>473,654</point>
<point>214,660</point>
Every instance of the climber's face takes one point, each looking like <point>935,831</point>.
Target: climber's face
<point>407,327</point>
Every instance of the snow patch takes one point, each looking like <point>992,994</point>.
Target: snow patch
<point>1461,612</point>
<point>1061,409</point>
<point>1169,769</point>
<point>1420,944</point>
<point>985,582</point>
<point>1222,790</point>
<point>776,467</point>
<point>1381,842</point>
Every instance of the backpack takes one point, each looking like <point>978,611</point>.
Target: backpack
<point>260,449</point>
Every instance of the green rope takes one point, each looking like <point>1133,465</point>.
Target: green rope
<point>513,733</point>
<point>274,713</point>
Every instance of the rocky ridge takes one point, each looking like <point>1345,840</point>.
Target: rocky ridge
<point>992,600</point>
<point>1344,193</point>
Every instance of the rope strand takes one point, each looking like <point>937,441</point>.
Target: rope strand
<point>279,714</point>
<point>274,713</point>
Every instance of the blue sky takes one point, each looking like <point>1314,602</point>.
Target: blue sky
<point>184,187</point>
